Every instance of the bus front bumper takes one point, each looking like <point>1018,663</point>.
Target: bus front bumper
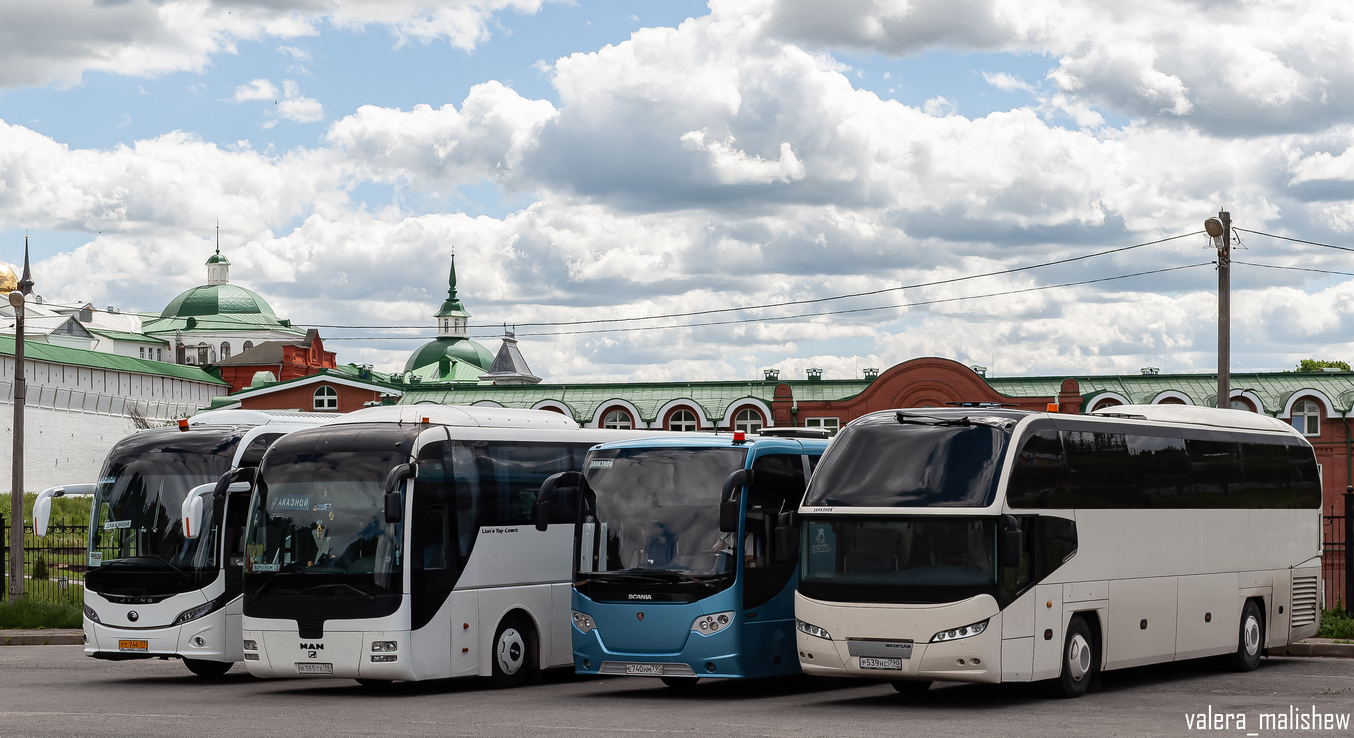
<point>896,638</point>
<point>202,639</point>
<point>282,653</point>
<point>714,656</point>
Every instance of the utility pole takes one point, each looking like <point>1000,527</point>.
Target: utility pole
<point>16,488</point>
<point>1220,230</point>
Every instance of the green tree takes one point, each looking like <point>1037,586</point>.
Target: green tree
<point>1316,365</point>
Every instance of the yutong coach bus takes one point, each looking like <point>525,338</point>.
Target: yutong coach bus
<point>990,545</point>
<point>151,591</point>
<point>678,569</point>
<point>397,544</point>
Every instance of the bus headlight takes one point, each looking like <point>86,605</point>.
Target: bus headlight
<point>811,629</point>
<point>193,613</point>
<point>707,624</point>
<point>89,613</point>
<point>968,631</point>
<point>583,622</point>
<point>251,645</point>
<point>379,646</point>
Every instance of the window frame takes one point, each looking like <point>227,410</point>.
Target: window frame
<point>1308,410</point>
<point>833,428</point>
<point>672,420</point>
<point>606,415</point>
<point>760,419</point>
<point>323,400</point>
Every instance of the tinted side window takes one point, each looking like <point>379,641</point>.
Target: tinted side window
<point>253,453</point>
<point>1100,470</point>
<point>1306,477</point>
<point>777,486</point>
<point>1163,470</point>
<point>1266,475</point>
<point>510,475</point>
<point>1215,467</point>
<point>1039,474</point>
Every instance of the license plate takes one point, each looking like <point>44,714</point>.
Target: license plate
<point>867,662</point>
<point>644,669</point>
<point>133,645</point>
<point>303,668</point>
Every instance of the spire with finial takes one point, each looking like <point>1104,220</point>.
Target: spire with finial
<point>26,281</point>
<point>452,319</point>
<point>218,266</point>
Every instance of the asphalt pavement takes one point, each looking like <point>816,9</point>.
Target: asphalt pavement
<point>57,691</point>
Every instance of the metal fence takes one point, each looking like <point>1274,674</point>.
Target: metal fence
<point>54,565</point>
<point>1333,559</point>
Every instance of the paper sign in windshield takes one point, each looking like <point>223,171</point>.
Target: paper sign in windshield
<point>601,463</point>
<point>289,502</point>
<point>264,567</point>
<point>115,524</point>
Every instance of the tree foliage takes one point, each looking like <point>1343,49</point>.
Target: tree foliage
<point>1316,365</point>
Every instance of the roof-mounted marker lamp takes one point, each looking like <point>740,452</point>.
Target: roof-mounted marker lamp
<point>740,437</point>
<point>1052,407</point>
<point>183,424</point>
<point>425,421</point>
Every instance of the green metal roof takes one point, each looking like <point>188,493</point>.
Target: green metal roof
<point>454,348</point>
<point>102,360</point>
<point>217,299</point>
<point>1272,388</point>
<point>347,371</point>
<point>125,336</point>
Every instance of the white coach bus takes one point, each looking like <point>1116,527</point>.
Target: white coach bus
<point>159,584</point>
<point>398,544</point>
<point>990,545</point>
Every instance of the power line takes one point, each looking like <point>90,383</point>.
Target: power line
<point>1293,268</point>
<point>799,316</point>
<point>815,300</point>
<point>1294,240</point>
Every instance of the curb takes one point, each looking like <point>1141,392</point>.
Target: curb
<point>1316,647</point>
<point>55,637</point>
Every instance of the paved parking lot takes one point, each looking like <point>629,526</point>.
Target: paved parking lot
<point>56,691</point>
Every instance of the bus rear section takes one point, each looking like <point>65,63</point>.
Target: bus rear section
<point>152,589</point>
<point>677,569</point>
<point>398,545</point>
<point>1000,546</point>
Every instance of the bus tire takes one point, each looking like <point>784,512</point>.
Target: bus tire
<point>911,689</point>
<point>209,669</point>
<point>1250,639</point>
<point>681,684</point>
<point>1079,662</point>
<point>513,657</point>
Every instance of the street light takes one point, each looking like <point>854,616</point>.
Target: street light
<point>16,495</point>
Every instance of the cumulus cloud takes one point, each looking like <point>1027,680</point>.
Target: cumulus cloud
<point>258,89</point>
<point>57,41</point>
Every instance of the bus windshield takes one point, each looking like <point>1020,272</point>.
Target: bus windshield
<point>899,559</point>
<point>136,527</point>
<point>880,462</point>
<point>317,523</point>
<point>656,513</point>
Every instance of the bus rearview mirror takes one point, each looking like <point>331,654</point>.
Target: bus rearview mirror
<point>786,544</point>
<point>542,514</point>
<point>1012,542</point>
<point>394,507</point>
<point>729,511</point>
<point>192,520</point>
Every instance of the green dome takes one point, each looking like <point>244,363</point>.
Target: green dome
<point>217,299</point>
<point>456,349</point>
<point>217,258</point>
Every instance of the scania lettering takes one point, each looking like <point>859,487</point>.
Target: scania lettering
<point>992,545</point>
<point>684,555</point>
<point>157,584</point>
<point>397,544</point>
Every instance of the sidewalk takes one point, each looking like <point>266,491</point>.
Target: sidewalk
<point>47,637</point>
<point>1316,647</point>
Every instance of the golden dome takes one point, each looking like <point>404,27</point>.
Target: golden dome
<point>9,281</point>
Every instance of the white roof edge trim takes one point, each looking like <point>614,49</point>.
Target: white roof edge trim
<point>238,416</point>
<point>1214,417</point>
<point>459,415</point>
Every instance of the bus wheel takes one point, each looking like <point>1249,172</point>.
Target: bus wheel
<point>207,668</point>
<point>512,658</point>
<point>680,683</point>
<point>1079,660</point>
<point>1250,640</point>
<point>911,689</point>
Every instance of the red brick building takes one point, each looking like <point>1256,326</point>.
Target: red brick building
<point>286,360</point>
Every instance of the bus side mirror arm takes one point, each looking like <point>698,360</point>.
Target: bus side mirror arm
<point>730,507</point>
<point>42,507</point>
<point>1012,541</point>
<point>394,505</point>
<point>540,511</point>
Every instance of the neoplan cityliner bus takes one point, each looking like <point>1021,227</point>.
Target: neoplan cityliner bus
<point>990,545</point>
<point>397,544</point>
<point>678,573</point>
<point>151,591</point>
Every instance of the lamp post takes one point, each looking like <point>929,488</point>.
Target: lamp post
<point>16,494</point>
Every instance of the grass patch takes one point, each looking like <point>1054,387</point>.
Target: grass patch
<point>28,614</point>
<point>1336,624</point>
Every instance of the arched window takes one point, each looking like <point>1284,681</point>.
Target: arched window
<point>326,398</point>
<point>1107,402</point>
<point>247,345</point>
<point>1240,404</point>
<point>1307,418</point>
<point>682,420</point>
<point>617,420</point>
<point>225,351</point>
<point>748,420</point>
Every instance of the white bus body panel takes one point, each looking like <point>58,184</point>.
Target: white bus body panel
<point>153,625</point>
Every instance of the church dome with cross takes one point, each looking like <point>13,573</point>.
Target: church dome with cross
<point>452,356</point>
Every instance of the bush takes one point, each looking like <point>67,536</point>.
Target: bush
<point>27,614</point>
<point>1336,624</point>
<point>39,569</point>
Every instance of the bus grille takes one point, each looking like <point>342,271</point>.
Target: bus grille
<point>1304,601</point>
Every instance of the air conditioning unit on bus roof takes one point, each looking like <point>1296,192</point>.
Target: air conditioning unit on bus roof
<point>1194,415</point>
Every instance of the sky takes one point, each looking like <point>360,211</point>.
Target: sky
<point>752,162</point>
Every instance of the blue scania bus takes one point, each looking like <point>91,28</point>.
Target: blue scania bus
<point>685,554</point>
